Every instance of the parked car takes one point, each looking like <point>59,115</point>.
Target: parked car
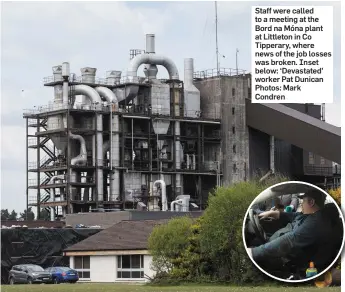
<point>63,274</point>
<point>29,274</point>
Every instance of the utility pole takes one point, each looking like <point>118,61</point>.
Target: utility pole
<point>217,53</point>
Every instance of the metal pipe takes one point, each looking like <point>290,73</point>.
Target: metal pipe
<point>187,161</point>
<point>81,158</point>
<point>136,117</point>
<point>194,162</point>
<point>107,94</point>
<point>186,121</point>
<point>114,156</point>
<point>94,97</point>
<point>152,59</point>
<point>164,195</point>
<point>173,203</point>
<point>52,193</point>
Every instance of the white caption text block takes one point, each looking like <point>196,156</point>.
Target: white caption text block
<point>292,54</point>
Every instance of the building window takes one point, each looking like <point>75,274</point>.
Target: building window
<point>130,266</point>
<point>233,110</point>
<point>233,92</point>
<point>82,266</point>
<point>234,148</point>
<point>234,168</point>
<point>311,158</point>
<point>322,161</point>
<point>233,130</point>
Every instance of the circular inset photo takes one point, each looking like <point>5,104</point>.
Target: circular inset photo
<point>294,231</point>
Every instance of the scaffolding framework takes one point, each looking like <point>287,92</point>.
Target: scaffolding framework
<point>147,161</point>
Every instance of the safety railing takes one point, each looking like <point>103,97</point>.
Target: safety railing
<point>322,170</point>
<point>101,81</point>
<point>47,108</point>
<point>210,73</point>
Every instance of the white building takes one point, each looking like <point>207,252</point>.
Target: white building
<point>116,254</point>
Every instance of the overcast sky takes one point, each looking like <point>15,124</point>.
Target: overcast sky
<point>39,35</point>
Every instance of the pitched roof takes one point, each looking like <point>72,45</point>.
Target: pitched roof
<point>125,235</point>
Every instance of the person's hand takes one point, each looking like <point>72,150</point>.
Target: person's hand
<point>266,214</point>
<point>269,214</point>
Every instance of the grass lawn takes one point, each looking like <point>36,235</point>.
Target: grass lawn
<point>82,287</point>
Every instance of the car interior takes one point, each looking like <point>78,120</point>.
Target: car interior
<point>258,231</point>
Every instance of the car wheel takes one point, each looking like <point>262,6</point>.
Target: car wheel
<point>56,281</point>
<point>11,281</point>
<point>29,281</point>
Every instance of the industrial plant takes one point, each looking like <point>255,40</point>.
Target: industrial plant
<point>134,141</point>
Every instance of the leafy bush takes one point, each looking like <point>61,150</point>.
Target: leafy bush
<point>336,195</point>
<point>167,242</point>
<point>210,248</point>
<point>221,231</point>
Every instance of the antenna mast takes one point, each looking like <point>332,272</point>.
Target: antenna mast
<point>217,53</point>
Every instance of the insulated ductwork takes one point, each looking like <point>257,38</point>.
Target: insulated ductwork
<point>88,76</point>
<point>152,59</point>
<point>114,143</point>
<point>106,94</point>
<point>164,194</point>
<point>191,93</point>
<point>80,159</point>
<point>94,97</point>
<point>127,93</point>
<point>52,193</point>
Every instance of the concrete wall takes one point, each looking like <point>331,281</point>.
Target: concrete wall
<point>210,98</point>
<point>235,137</point>
<point>224,98</point>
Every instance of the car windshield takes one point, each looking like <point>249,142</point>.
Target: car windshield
<point>35,269</point>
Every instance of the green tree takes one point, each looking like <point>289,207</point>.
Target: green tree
<point>5,214</point>
<point>44,214</point>
<point>221,230</point>
<point>28,214</point>
<point>13,215</point>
